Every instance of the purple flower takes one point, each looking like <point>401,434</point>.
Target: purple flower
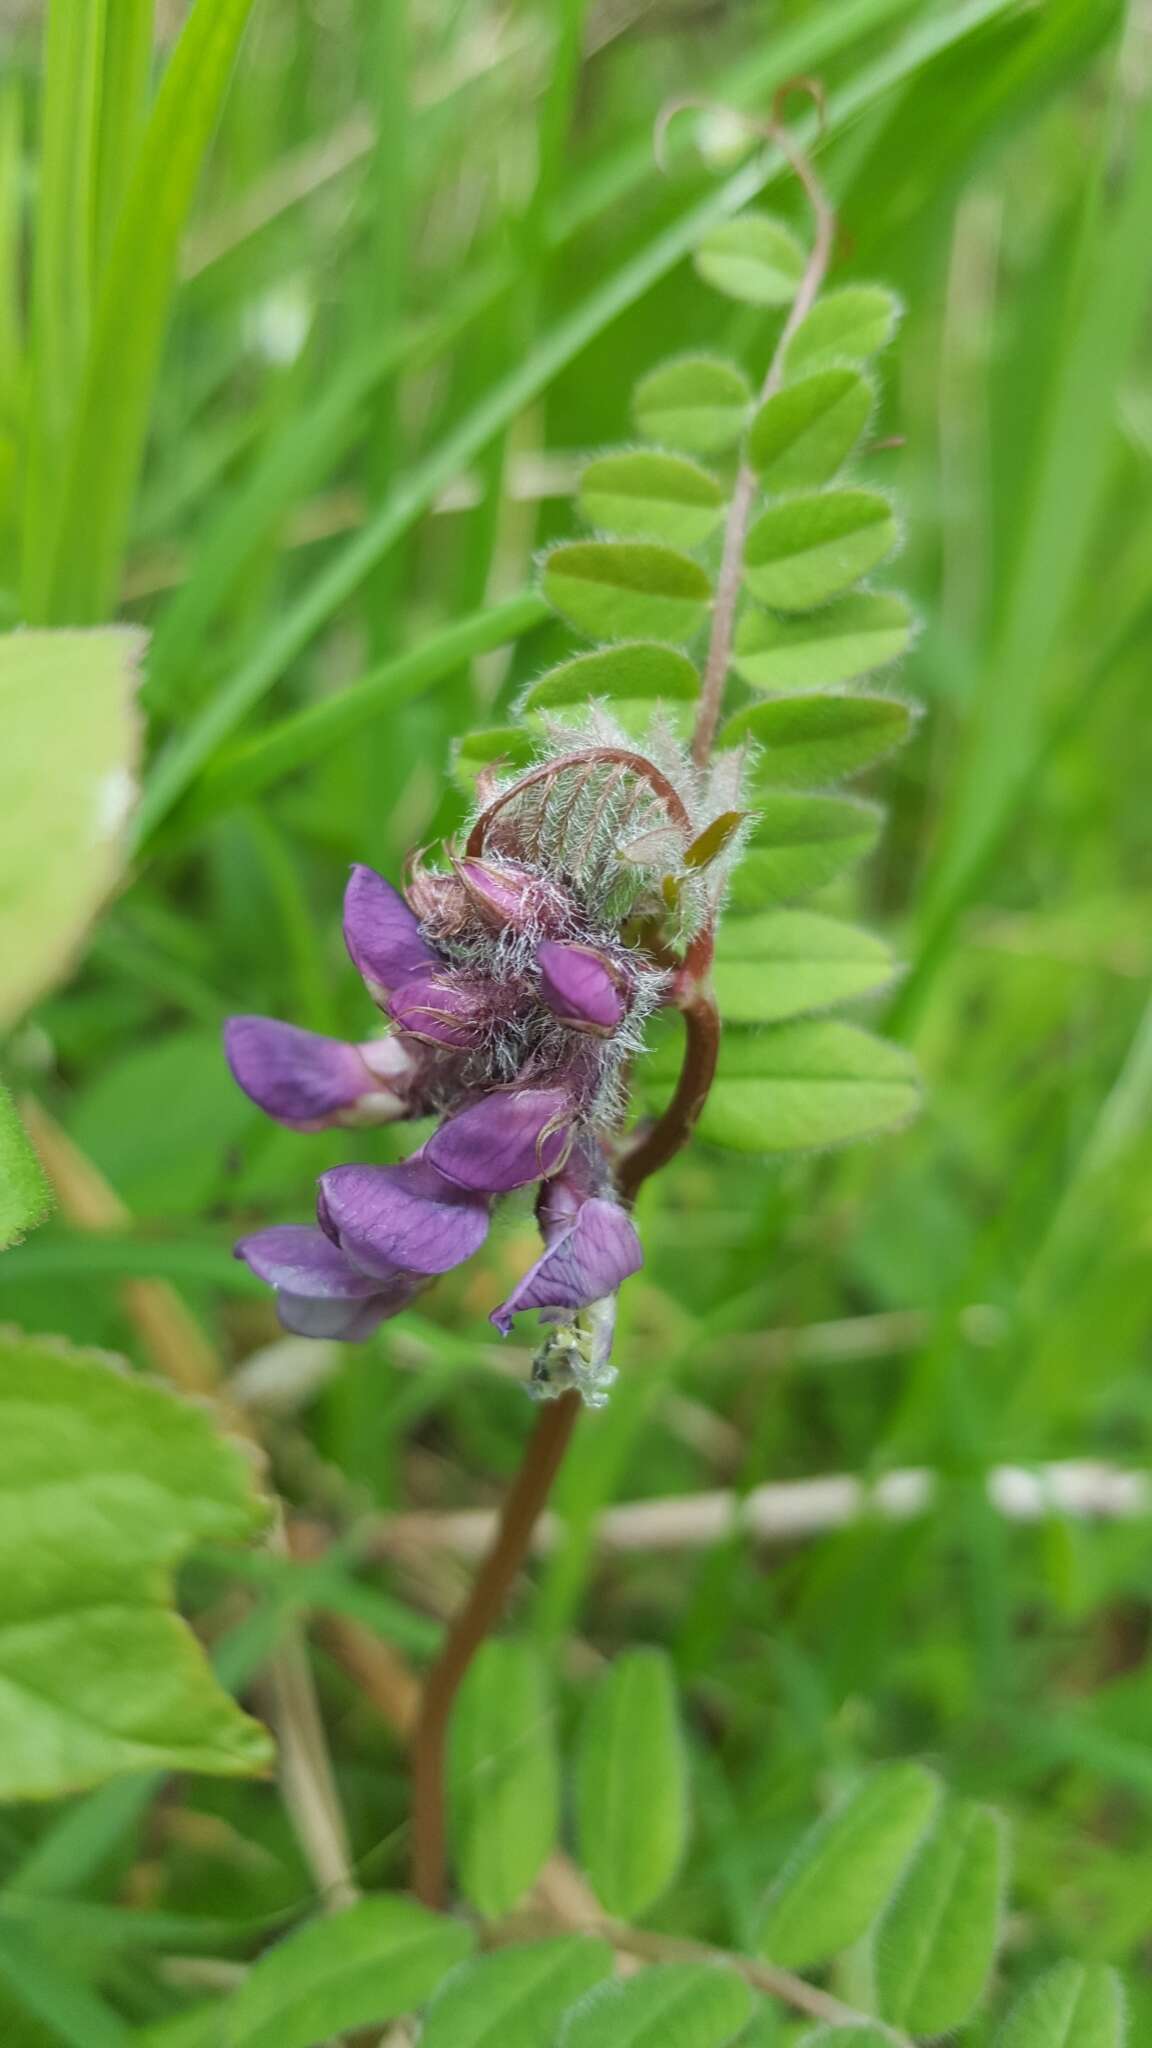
<point>579,988</point>
<point>308,1082</point>
<point>440,1010</point>
<point>401,1217</point>
<point>588,1254</point>
<point>319,1292</point>
<point>504,1141</point>
<point>382,934</point>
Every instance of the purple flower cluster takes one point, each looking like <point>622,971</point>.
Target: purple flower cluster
<point>511,1019</point>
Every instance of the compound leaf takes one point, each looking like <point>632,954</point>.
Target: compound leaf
<point>813,740</point>
<point>803,434</point>
<point>798,844</point>
<point>812,650</point>
<point>359,1968</point>
<point>1076,2005</point>
<point>845,1868</point>
<point>633,671</point>
<point>754,258</point>
<point>789,963</point>
<point>517,1997</point>
<point>674,2005</point>
<point>845,326</point>
<point>937,1941</point>
<point>505,1784</point>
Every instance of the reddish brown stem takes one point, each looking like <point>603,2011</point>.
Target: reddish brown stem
<point>697,1072</point>
<point>480,1613</point>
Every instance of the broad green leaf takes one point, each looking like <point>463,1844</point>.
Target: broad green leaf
<point>644,491</point>
<point>674,2005</point>
<point>809,548</point>
<point>813,740</point>
<point>359,1968</point>
<point>845,326</point>
<point>754,258</point>
<point>621,589</point>
<point>845,1868</point>
<point>789,963</point>
<point>635,670</point>
<point>803,434</point>
<point>25,1196</point>
<point>632,1785</point>
<point>815,649</point>
<point>936,1944</point>
<point>799,844</point>
<point>1076,2005</point>
<point>106,1482</point>
<point>517,1997</point>
<point>803,1086</point>
<point>505,1781</point>
<point>698,403</point>
<point>78,582</point>
<point>67,782</point>
<point>502,747</point>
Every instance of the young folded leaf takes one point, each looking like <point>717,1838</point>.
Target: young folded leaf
<point>632,1788</point>
<point>674,2005</point>
<point>697,403</point>
<point>516,1998</point>
<point>936,1944</point>
<point>808,741</point>
<point>798,844</point>
<point>505,1784</point>
<point>814,650</point>
<point>754,258</point>
<point>844,1869</point>
<point>1076,2005</point>
<point>803,434</point>
<point>791,963</point>
<point>845,326</point>
<point>624,589</point>
<point>807,549</point>
<point>647,492</point>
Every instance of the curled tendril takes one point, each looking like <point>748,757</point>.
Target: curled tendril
<point>775,129</point>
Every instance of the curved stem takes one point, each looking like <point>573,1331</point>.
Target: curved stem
<point>744,495</point>
<point>674,1128</point>
<point>480,1613</point>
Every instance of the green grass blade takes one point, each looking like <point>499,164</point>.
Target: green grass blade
<point>75,2014</point>
<point>106,442</point>
<point>555,350</point>
<point>128,37</point>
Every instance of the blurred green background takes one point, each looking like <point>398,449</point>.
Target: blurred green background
<point>429,256</point>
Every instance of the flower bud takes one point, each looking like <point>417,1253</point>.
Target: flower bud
<point>382,933</point>
<point>440,1011</point>
<point>504,893</point>
<point>308,1081</point>
<point>579,988</point>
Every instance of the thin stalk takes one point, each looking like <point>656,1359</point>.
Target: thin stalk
<point>480,1613</point>
<point>744,495</point>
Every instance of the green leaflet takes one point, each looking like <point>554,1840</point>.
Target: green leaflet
<point>358,1968</point>
<point>804,1086</point>
<point>633,671</point>
<point>754,258</point>
<point>936,1944</point>
<point>698,403</point>
<point>847,1865</point>
<point>25,1196</point>
<point>845,326</point>
<point>626,589</point>
<point>67,783</point>
<point>1076,2005</point>
<point>517,1997</point>
<point>644,491</point>
<point>502,747</point>
<point>798,844</point>
<point>815,740</point>
<point>504,1776</point>
<point>674,2005</point>
<point>803,434</point>
<point>789,963</point>
<point>807,549</point>
<point>106,1482</point>
<point>632,1786</point>
<point>812,650</point>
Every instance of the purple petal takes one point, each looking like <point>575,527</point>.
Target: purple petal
<point>440,1011</point>
<point>505,1140</point>
<point>406,1216</point>
<point>302,1261</point>
<point>582,1265</point>
<point>296,1076</point>
<point>503,893</point>
<point>381,933</point>
<point>347,1322</point>
<point>577,986</point>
